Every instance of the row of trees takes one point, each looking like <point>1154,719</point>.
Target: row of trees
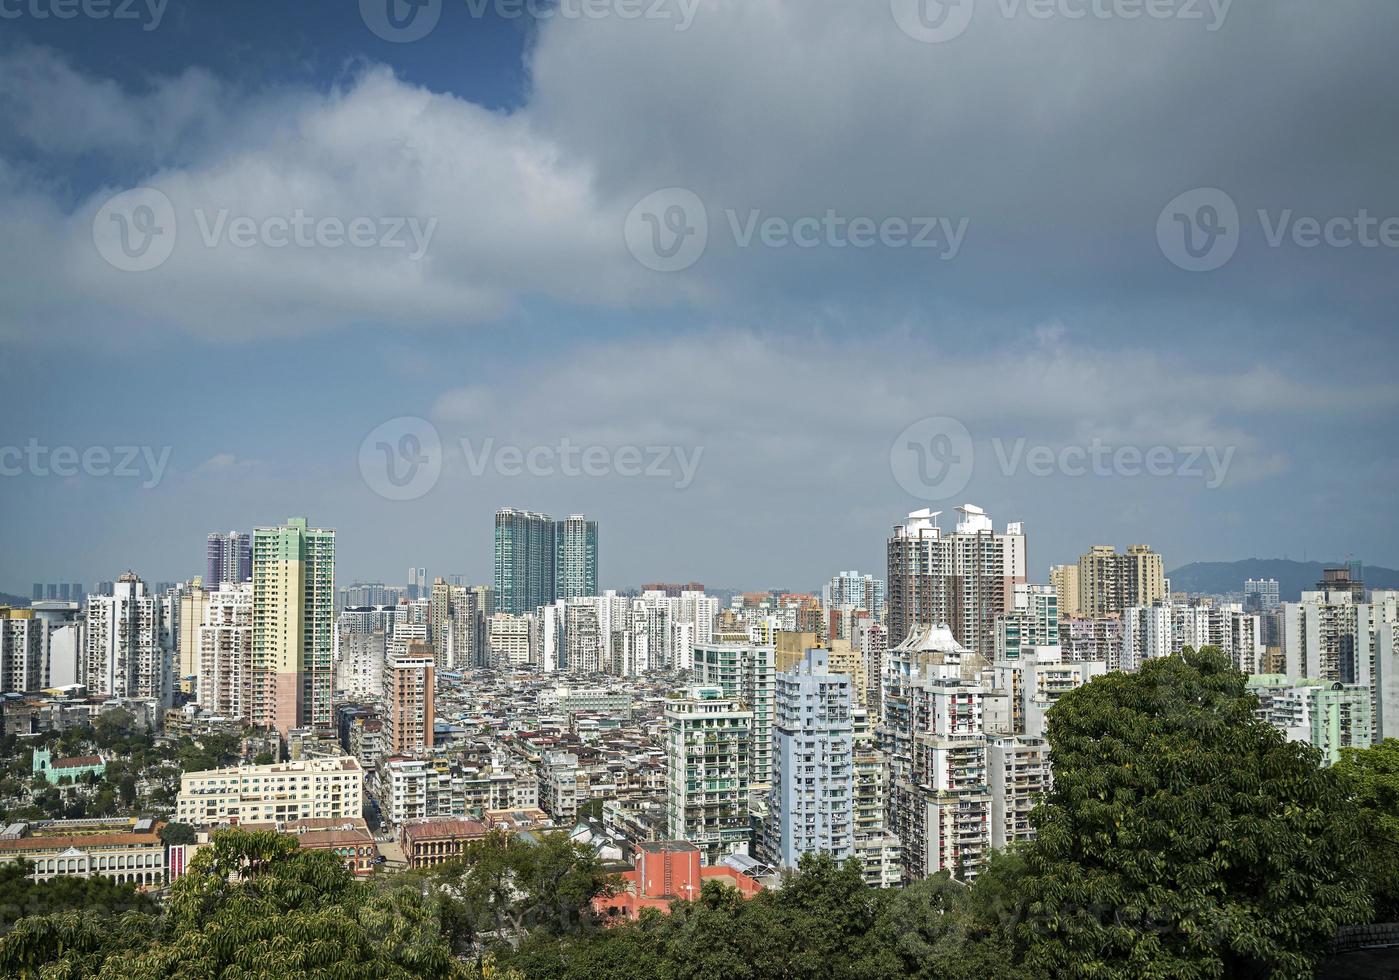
<point>1182,839</point>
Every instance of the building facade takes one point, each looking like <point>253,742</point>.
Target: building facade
<point>708,744</point>
<point>293,626</point>
<point>525,555</point>
<point>963,579</point>
<point>408,709</point>
<point>228,558</point>
<point>129,648</point>
<point>330,788</point>
<point>1108,582</point>
<point>576,562</point>
<point>813,784</point>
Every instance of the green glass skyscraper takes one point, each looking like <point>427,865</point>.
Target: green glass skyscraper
<point>575,568</point>
<point>524,561</point>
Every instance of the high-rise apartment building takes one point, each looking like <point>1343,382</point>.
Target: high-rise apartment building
<point>1320,638</point>
<point>1329,715</point>
<point>128,649</point>
<point>1018,775</point>
<point>359,669</point>
<point>193,604</point>
<point>708,743</point>
<point>525,556</point>
<point>813,783</point>
<point>228,558</point>
<point>1108,582</point>
<point>747,674</point>
<point>576,561</point>
<point>224,666</point>
<point>1036,680</point>
<point>1147,633</point>
<point>1032,622</point>
<point>1092,638</point>
<point>508,641</point>
<point>456,625</point>
<point>23,651</point>
<point>366,594</point>
<point>408,708</point>
<point>963,579</point>
<point>539,560</point>
<point>1261,595</point>
<point>62,641</point>
<point>1063,579</point>
<point>851,590</point>
<point>293,625</point>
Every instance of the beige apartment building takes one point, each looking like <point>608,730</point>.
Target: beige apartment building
<point>1109,583</point>
<point>330,788</point>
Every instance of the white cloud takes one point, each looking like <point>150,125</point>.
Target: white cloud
<point>793,108</point>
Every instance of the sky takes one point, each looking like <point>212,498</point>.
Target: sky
<point>746,282</point>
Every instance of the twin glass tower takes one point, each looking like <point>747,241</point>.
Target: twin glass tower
<point>539,560</point>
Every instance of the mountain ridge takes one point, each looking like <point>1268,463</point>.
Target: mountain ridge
<point>1218,577</point>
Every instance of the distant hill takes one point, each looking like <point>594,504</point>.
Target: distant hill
<point>12,600</point>
<point>1217,577</point>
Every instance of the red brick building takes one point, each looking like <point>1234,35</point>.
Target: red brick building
<point>666,871</point>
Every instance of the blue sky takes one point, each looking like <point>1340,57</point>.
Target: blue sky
<point>1048,311</point>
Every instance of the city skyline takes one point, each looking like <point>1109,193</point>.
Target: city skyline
<point>810,580</point>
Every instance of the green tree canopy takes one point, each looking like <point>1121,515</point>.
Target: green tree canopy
<point>1182,837</point>
<point>1372,777</point>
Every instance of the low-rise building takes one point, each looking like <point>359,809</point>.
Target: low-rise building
<point>57,770</point>
<point>127,851</point>
<point>331,788</point>
<point>666,871</point>
<point>427,843</point>
<point>348,839</point>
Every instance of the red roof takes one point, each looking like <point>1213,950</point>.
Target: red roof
<point>77,762</point>
<point>452,828</point>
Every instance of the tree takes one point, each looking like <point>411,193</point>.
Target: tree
<point>21,895</point>
<point>177,833</point>
<point>256,904</point>
<point>251,904</point>
<point>942,929</point>
<point>1372,779</point>
<point>1182,837</point>
<point>506,886</point>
